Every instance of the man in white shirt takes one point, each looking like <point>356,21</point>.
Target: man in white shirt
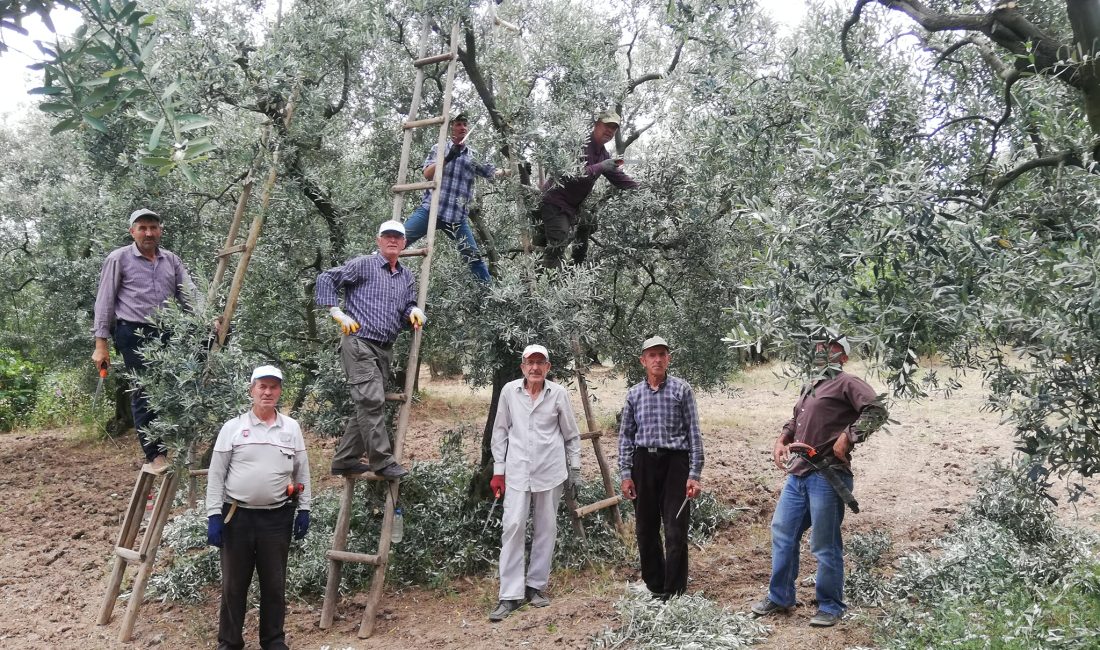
<point>259,475</point>
<point>536,451</point>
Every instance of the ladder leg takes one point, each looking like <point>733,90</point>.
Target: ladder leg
<point>578,525</point>
<point>378,581</point>
<point>608,486</point>
<point>149,546</point>
<point>131,523</point>
<point>339,543</point>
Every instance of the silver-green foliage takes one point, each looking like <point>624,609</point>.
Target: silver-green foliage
<point>690,621</point>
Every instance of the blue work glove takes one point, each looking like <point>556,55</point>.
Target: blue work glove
<point>301,524</point>
<point>214,528</point>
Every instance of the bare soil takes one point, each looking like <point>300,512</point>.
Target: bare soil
<point>63,497</point>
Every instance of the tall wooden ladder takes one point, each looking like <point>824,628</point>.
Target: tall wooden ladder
<point>338,555</point>
<point>612,498</point>
<point>144,556</point>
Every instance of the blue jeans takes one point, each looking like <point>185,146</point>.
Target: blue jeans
<point>809,501</point>
<point>416,226</point>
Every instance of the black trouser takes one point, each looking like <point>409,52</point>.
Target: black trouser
<point>129,338</point>
<point>660,479</point>
<point>255,540</point>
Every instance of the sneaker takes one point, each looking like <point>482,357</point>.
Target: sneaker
<point>767,606</point>
<point>537,598</point>
<point>393,471</point>
<point>358,468</point>
<point>504,610</point>
<point>824,619</point>
<point>157,466</point>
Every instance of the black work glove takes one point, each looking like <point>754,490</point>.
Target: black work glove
<point>455,152</point>
<point>214,527</point>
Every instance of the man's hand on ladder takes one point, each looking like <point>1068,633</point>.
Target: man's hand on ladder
<point>347,324</point>
<point>416,318</point>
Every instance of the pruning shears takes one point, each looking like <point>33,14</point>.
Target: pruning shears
<point>492,509</point>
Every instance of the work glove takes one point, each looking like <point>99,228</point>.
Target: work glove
<point>455,152</point>
<point>214,528</point>
<point>347,324</point>
<point>301,524</point>
<point>608,165</point>
<point>575,477</point>
<point>501,173</point>
<point>497,485</point>
<point>417,317</point>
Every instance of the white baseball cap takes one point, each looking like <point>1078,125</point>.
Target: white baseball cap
<point>535,349</point>
<point>391,226</point>
<point>653,342</point>
<point>143,212</point>
<point>266,371</point>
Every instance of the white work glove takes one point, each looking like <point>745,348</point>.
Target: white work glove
<point>575,476</point>
<point>501,173</point>
<point>417,318</point>
<point>347,324</point>
<point>608,165</point>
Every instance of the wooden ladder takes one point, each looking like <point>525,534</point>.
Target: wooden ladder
<point>145,555</point>
<point>338,555</point>
<point>612,498</point>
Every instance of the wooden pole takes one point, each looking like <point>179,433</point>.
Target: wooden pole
<point>234,226</point>
<point>601,460</point>
<point>148,549</point>
<point>339,543</point>
<point>127,534</point>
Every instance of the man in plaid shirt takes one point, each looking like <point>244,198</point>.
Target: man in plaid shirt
<point>455,194</point>
<point>380,298</point>
<point>661,463</point>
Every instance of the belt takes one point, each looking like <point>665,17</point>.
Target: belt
<point>661,450</point>
<point>384,346</point>
<point>134,323</point>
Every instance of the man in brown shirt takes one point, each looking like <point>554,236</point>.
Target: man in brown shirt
<point>834,412</point>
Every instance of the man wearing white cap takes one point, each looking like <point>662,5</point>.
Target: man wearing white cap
<point>536,452</point>
<point>135,280</point>
<point>661,464</point>
<point>379,301</point>
<point>259,476</point>
<point>561,200</point>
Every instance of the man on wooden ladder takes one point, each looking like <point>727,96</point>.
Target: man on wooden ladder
<point>380,298</point>
<point>455,195</point>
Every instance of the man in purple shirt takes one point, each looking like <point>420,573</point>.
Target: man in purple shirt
<point>380,298</point>
<point>135,281</point>
<point>561,201</point>
<point>834,412</point>
<point>661,465</point>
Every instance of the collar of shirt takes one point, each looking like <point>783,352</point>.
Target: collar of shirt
<point>385,263</point>
<point>137,251</point>
<point>255,420</point>
<point>660,386</point>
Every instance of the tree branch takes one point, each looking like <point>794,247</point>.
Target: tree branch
<point>333,109</point>
<point>1071,158</point>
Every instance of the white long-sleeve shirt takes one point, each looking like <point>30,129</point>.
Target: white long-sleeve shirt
<point>533,440</point>
<point>253,464</point>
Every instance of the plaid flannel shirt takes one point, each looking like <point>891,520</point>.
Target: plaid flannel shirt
<point>379,299</point>
<point>665,418</point>
<point>457,189</point>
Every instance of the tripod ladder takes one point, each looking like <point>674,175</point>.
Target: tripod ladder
<point>338,555</point>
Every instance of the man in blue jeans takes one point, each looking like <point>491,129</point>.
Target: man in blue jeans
<point>460,166</point>
<point>834,412</point>
<point>135,280</point>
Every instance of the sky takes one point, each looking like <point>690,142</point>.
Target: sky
<point>16,79</point>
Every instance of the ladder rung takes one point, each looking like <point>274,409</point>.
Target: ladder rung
<point>591,435</point>
<point>599,505</point>
<point>129,555</point>
<point>348,556</point>
<point>226,252</point>
<point>395,397</point>
<point>365,476</point>
<point>435,58</point>
<point>198,472</point>
<point>428,121</point>
<point>412,187</point>
<point>414,252</point>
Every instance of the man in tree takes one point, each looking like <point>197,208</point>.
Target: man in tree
<point>661,464</point>
<point>561,201</point>
<point>536,455</point>
<point>834,412</point>
<point>380,297</point>
<point>259,475</point>
<point>135,280</point>
<point>455,193</point>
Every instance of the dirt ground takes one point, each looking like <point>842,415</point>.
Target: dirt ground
<point>63,498</point>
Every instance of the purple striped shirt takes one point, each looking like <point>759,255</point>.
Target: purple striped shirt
<point>379,299</point>
<point>569,193</point>
<point>664,418</point>
<point>131,287</point>
<point>457,188</point>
